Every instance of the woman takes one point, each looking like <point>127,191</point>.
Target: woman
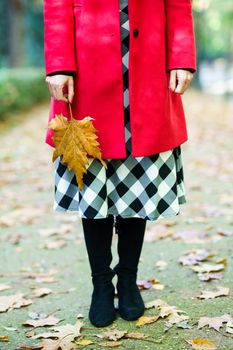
<point>126,63</point>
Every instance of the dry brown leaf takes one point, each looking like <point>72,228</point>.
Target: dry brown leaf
<point>112,334</point>
<point>157,303</point>
<point>131,335</point>
<point>64,229</point>
<point>62,337</point>
<point>160,232</point>
<point>74,142</point>
<point>171,313</point>
<point>202,344</point>
<point>4,287</point>
<point>195,256</point>
<point>48,321</point>
<point>30,347</point>
<point>151,283</point>
<point>143,320</point>
<point>4,338</point>
<point>223,261</point>
<point>110,344</point>
<point>208,268</point>
<point>192,236</point>
<point>224,233</point>
<point>59,243</point>
<point>207,294</point>
<point>205,277</point>
<point>15,301</point>
<point>23,215</point>
<point>214,322</point>
<point>63,330</point>
<point>40,292</point>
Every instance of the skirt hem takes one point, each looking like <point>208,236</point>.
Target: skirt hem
<point>182,200</point>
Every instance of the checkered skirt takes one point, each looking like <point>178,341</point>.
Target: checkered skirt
<point>149,187</point>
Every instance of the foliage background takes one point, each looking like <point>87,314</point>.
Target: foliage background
<point>21,44</point>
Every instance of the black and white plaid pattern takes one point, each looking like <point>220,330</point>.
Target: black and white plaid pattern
<point>149,187</point>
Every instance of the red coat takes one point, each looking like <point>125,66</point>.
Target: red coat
<point>84,36</point>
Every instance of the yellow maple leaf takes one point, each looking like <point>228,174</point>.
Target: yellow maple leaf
<point>202,344</point>
<point>75,141</point>
<point>143,320</point>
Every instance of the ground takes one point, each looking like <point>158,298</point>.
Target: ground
<point>33,257</point>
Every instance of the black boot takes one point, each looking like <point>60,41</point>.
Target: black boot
<point>130,241</point>
<point>98,238</point>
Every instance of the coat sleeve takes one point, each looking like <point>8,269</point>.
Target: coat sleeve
<point>181,49</point>
<point>59,36</point>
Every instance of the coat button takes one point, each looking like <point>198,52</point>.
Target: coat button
<point>135,32</point>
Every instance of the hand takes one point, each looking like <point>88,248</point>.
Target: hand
<point>180,80</point>
<point>57,84</point>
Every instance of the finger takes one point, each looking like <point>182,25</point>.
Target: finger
<point>59,92</point>
<point>172,83</point>
<point>182,81</point>
<point>50,90</point>
<point>185,83</point>
<point>70,89</point>
<point>53,91</point>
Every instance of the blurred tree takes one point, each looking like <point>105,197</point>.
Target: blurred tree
<point>214,28</point>
<point>3,34</point>
<point>34,29</point>
<point>15,12</point>
<point>21,33</point>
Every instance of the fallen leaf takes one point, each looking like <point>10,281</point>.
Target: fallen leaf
<point>158,233</point>
<point>84,342</point>
<point>143,320</point>
<point>221,291</point>
<point>229,327</point>
<point>214,322</point>
<point>63,229</point>
<point>205,277</point>
<point>48,321</point>
<point>223,261</point>
<point>208,268</point>
<point>225,233</point>
<point>24,215</point>
<point>40,292</point>
<point>192,236</point>
<point>110,344</point>
<point>135,335</point>
<point>30,334</point>
<point>195,256</point>
<point>171,313</point>
<point>31,347</point>
<point>151,283</point>
<point>113,334</point>
<point>4,338</point>
<point>15,301</point>
<point>59,243</point>
<point>14,238</point>
<point>202,344</point>
<point>4,287</point>
<point>62,337</point>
